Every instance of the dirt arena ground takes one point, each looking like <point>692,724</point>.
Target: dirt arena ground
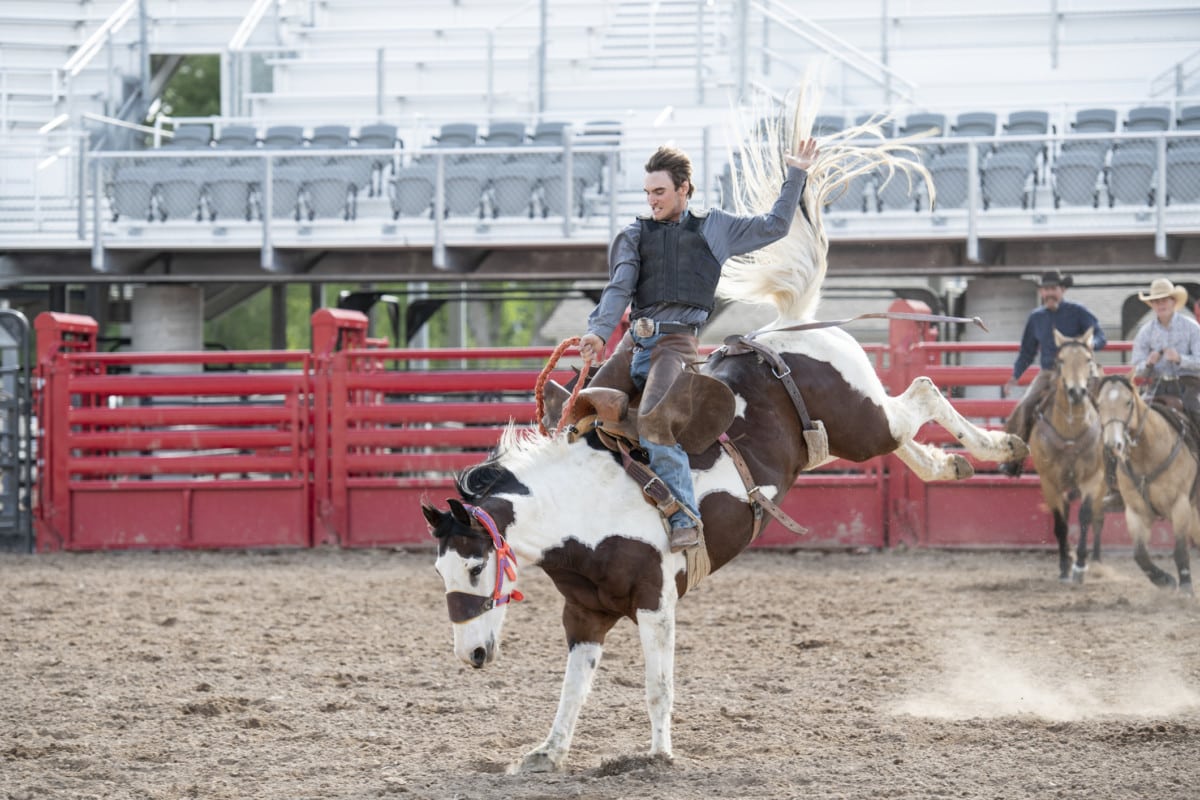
<point>329,674</point>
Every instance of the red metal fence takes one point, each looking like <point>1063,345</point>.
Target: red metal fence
<point>337,446</point>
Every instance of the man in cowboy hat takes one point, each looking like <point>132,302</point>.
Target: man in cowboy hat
<point>1054,313</point>
<point>1166,349</point>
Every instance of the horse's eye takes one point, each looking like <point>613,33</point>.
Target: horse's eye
<point>476,571</point>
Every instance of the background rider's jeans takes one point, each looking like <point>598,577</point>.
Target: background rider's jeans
<point>669,462</point>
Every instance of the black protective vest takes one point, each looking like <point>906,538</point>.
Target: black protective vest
<point>677,265</point>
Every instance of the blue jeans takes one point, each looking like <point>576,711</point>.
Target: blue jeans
<point>669,462</point>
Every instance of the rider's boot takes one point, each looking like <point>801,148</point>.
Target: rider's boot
<point>686,530</point>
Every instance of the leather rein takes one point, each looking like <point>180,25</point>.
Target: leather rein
<point>1142,482</point>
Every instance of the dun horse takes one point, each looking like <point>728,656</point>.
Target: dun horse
<point>571,509</point>
<point>1158,473</point>
<point>1067,453</point>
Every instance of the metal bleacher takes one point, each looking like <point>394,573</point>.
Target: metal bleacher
<point>418,126</point>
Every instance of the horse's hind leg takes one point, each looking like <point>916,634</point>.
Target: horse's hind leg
<point>933,463</point>
<point>922,401</point>
<point>657,631</point>
<point>1183,564</point>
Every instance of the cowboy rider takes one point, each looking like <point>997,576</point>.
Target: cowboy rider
<point>668,265</point>
<point>1166,349</point>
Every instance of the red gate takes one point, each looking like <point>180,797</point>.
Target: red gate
<point>337,446</point>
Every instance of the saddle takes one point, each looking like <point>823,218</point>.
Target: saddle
<point>699,409</point>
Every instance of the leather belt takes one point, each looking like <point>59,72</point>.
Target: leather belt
<point>645,327</point>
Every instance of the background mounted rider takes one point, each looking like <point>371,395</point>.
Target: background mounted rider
<point>1054,313</point>
<point>666,267</point>
<point>1166,349</point>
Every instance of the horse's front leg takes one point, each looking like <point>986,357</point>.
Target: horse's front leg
<point>657,630</point>
<point>1139,531</point>
<point>1061,529</point>
<point>1087,519</point>
<point>550,755</point>
<point>585,633</point>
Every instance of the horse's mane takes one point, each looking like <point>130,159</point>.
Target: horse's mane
<point>517,447</point>
<point>788,274</point>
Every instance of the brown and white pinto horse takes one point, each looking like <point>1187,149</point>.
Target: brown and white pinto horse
<point>1158,473</point>
<point>572,510</point>
<point>1067,453</point>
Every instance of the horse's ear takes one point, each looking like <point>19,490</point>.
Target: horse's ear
<point>432,516</point>
<point>1058,338</point>
<point>459,511</point>
<point>1087,338</point>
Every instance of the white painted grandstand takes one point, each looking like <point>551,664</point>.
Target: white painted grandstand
<point>1084,118</point>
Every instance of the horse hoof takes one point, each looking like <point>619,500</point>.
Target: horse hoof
<point>1077,574</point>
<point>1018,450</point>
<point>962,467</point>
<point>536,761</point>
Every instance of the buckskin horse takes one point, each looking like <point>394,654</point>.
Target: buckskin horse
<point>1158,472</point>
<point>1068,455</point>
<point>572,510</point>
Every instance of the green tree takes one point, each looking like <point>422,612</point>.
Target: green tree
<point>194,90</point>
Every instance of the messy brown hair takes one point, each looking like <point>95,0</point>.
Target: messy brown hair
<point>675,163</point>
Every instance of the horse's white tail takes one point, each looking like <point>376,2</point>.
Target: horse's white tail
<point>789,273</point>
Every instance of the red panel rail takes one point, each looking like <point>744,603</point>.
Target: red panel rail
<point>337,446</point>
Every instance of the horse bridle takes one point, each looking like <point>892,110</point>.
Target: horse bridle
<point>465,606</point>
<point>1142,482</point>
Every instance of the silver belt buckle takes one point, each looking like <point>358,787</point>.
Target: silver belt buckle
<point>643,327</point>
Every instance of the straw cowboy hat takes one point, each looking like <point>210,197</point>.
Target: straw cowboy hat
<point>1160,288</point>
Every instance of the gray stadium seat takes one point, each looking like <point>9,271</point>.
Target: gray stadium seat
<point>329,192</point>
<point>229,190</point>
<point>330,137</point>
<point>378,136</point>
<point>191,136</point>
<point>1146,119</point>
<point>859,195</point>
<point>1076,178</point>
<point>179,189</point>
<point>237,137</point>
<point>553,194</point>
<point>828,124</point>
<point>1183,175</point>
<point>510,133</point>
<point>1005,179</point>
<point>976,123</point>
<point>1189,118</point>
<point>951,177</point>
<point>1095,121</point>
<point>511,189</point>
<point>1131,176</point>
<point>466,184</point>
<point>284,137</point>
<point>287,181</point>
<point>411,191</point>
<point>130,192</point>
<point>896,194</point>
<point>922,122</point>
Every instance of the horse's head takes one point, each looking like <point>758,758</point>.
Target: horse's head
<point>480,574</point>
<point>1117,404</point>
<point>1075,364</point>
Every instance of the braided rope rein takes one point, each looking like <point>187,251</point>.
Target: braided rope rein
<point>540,386</point>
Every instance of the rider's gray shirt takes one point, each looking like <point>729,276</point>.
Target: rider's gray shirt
<point>1183,334</point>
<point>726,235</point>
